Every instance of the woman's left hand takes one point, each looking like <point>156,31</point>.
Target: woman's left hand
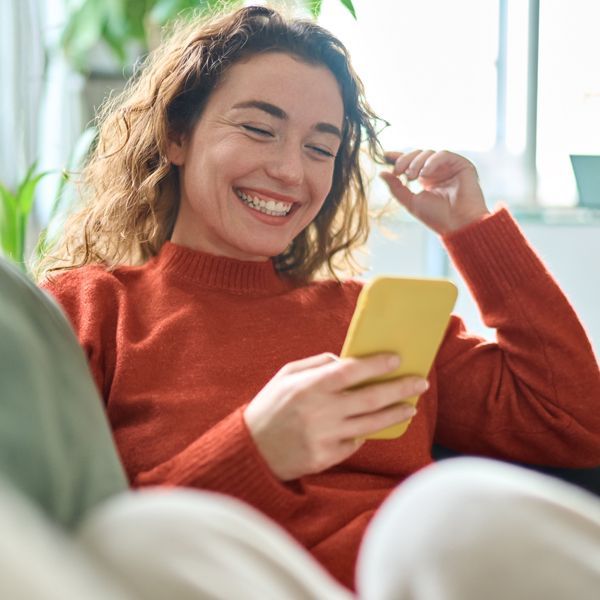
<point>451,197</point>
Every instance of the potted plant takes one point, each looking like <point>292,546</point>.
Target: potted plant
<point>126,27</point>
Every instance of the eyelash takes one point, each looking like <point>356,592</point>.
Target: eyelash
<point>322,152</point>
<point>264,132</point>
<point>257,130</point>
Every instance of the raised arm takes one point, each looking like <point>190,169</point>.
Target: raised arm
<point>534,395</point>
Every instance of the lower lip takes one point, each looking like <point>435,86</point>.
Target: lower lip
<point>264,218</point>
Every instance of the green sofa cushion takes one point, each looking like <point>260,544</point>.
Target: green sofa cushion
<point>55,443</point>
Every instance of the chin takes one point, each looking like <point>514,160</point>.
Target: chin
<point>265,251</point>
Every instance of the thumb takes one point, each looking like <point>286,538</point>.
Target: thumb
<point>398,189</point>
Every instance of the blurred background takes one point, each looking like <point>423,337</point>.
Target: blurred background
<point>512,84</point>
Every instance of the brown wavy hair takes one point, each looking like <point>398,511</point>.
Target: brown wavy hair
<point>129,188</point>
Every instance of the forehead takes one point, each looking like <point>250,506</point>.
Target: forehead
<point>301,89</point>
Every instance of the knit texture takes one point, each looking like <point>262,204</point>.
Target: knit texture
<point>179,346</point>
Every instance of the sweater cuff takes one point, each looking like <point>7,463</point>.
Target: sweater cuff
<point>493,254</point>
<point>227,460</point>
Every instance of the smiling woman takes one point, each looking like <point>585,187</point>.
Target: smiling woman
<point>294,78</point>
<point>258,166</point>
<point>225,181</point>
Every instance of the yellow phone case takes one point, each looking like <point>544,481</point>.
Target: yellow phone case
<point>402,315</point>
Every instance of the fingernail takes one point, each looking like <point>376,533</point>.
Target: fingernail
<point>412,411</point>
<point>393,361</point>
<point>422,386</point>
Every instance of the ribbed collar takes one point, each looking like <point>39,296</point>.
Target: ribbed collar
<point>219,272</point>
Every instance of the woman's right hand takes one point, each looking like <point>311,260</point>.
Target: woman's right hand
<point>307,419</point>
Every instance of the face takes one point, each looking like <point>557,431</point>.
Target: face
<point>259,163</point>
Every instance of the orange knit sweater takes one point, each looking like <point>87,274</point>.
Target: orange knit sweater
<point>180,345</point>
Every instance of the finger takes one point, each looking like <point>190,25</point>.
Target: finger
<point>349,372</point>
<point>403,161</point>
<point>377,396</point>
<point>391,156</point>
<point>414,169</point>
<point>443,165</point>
<point>398,190</point>
<point>310,362</point>
<point>349,446</point>
<point>360,427</point>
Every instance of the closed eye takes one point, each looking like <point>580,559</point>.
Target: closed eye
<point>257,130</point>
<point>322,151</point>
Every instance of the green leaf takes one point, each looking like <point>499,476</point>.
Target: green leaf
<point>229,4</point>
<point>116,43</point>
<point>134,21</point>
<point>165,10</point>
<point>83,30</point>
<point>9,200</point>
<point>211,6</point>
<point>116,20</point>
<point>28,176</point>
<point>8,222</point>
<point>116,10</point>
<point>348,4</point>
<point>15,210</point>
<point>314,6</point>
<point>26,193</point>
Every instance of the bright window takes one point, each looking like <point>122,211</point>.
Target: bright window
<point>569,93</point>
<point>426,70</point>
<point>456,75</point>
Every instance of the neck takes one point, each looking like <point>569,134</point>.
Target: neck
<point>220,272</point>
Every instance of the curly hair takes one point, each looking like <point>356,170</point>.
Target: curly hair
<point>129,188</point>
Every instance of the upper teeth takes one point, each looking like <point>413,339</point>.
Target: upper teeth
<point>267,206</point>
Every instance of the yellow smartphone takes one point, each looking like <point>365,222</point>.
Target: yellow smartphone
<point>402,315</point>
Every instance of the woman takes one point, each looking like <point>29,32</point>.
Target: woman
<point>225,180</point>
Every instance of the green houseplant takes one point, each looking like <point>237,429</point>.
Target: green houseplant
<point>125,24</point>
<point>16,207</point>
<point>15,211</point>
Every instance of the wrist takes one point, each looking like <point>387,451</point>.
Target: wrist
<point>466,220</point>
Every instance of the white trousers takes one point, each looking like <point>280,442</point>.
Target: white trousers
<point>467,529</point>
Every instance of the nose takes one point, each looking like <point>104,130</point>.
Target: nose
<point>287,165</point>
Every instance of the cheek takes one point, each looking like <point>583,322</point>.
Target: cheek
<point>320,188</point>
<point>215,156</point>
<point>322,183</point>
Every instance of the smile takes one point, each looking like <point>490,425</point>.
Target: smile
<point>269,207</point>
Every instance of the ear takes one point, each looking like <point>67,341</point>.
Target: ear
<point>176,149</point>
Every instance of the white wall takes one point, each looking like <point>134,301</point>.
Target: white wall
<point>571,252</point>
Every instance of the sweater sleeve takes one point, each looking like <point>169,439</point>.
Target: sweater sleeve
<point>225,459</point>
<point>90,298</point>
<point>534,394</point>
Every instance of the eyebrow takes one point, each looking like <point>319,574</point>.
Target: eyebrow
<point>279,113</point>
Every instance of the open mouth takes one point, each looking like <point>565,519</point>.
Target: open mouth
<point>274,208</point>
